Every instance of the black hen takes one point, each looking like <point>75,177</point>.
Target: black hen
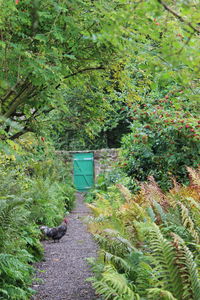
<point>55,233</point>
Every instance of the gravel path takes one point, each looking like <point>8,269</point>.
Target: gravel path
<point>65,270</point>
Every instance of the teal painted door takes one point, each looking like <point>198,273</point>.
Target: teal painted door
<point>83,171</point>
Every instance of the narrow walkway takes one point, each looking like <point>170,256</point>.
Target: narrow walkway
<point>65,270</point>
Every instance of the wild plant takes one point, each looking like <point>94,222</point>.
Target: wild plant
<point>32,192</point>
<point>156,248</point>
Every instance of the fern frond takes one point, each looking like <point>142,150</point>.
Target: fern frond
<point>125,192</point>
<point>145,277</point>
<point>114,286</point>
<point>173,199</point>
<point>188,222</point>
<point>12,215</point>
<point>132,211</point>
<point>116,235</point>
<point>151,213</point>
<point>194,176</point>
<point>96,266</point>
<point>194,209</point>
<point>15,276</point>
<point>95,210</point>
<point>152,191</point>
<point>156,293</point>
<point>12,267</point>
<point>164,256</point>
<point>8,209</point>
<point>176,186</point>
<point>13,293</point>
<point>103,289</point>
<point>91,219</point>
<point>116,245</point>
<point>119,262</point>
<point>187,269</point>
<point>159,210</point>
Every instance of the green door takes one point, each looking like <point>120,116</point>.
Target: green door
<point>83,171</point>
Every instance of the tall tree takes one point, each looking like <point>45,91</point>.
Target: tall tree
<point>49,47</point>
<point>59,55</point>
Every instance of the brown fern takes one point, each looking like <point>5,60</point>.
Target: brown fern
<point>125,192</point>
<point>176,186</point>
<point>194,176</point>
<point>153,193</point>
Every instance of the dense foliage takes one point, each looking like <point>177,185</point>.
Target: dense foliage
<point>149,241</point>
<point>165,138</point>
<point>64,64</point>
<point>35,189</point>
<point>56,60</point>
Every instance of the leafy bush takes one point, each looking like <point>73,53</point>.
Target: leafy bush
<point>107,179</point>
<point>150,244</point>
<point>35,188</point>
<point>164,140</point>
<point>15,275</point>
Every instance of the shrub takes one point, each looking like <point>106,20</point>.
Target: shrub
<point>160,150</point>
<point>149,244</point>
<point>35,188</point>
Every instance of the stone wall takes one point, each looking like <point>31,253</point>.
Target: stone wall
<point>103,158</point>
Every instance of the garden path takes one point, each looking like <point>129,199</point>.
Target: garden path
<point>64,269</point>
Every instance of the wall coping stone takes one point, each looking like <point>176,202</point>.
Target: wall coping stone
<point>87,151</point>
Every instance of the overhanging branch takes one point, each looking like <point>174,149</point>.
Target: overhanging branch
<point>82,71</point>
<point>180,18</point>
<point>18,134</point>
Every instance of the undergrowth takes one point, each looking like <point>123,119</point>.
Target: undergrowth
<point>149,241</point>
<point>35,189</point>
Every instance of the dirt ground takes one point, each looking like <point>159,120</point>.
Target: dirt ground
<point>63,273</point>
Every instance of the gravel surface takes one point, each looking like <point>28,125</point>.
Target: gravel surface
<point>63,272</point>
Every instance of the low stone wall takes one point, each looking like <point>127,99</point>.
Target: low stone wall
<point>103,158</point>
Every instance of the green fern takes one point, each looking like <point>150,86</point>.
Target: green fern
<point>161,268</point>
<point>159,211</point>
<point>120,263</point>
<point>114,286</point>
<point>187,269</point>
<point>15,293</point>
<point>188,222</point>
<point>96,265</point>
<point>13,267</point>
<point>103,289</point>
<point>15,275</point>
<point>111,241</point>
<point>13,215</point>
<point>151,213</point>
<point>164,258</point>
<point>156,293</point>
<point>26,199</point>
<point>9,208</point>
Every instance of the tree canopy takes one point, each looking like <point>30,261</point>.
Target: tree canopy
<point>65,62</point>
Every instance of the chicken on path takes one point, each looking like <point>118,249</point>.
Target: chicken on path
<point>64,271</point>
<point>55,233</point>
